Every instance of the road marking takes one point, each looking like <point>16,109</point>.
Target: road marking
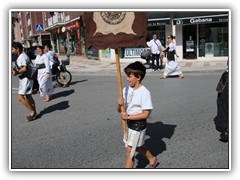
<point>14,90</point>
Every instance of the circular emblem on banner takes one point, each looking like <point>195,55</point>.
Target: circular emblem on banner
<point>113,17</point>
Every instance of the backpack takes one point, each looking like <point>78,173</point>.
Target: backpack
<point>146,54</point>
<point>31,71</point>
<point>56,62</point>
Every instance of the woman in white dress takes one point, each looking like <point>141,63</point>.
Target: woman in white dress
<point>172,67</point>
<point>44,74</point>
<point>54,68</point>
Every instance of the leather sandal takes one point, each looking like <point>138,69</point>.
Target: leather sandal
<point>32,117</point>
<point>154,165</point>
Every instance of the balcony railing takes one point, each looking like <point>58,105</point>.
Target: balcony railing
<point>57,18</point>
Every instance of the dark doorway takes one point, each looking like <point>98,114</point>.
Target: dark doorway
<point>190,41</point>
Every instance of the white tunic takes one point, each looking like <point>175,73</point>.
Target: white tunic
<point>45,85</point>
<point>135,102</point>
<point>50,56</point>
<point>25,84</point>
<point>172,68</point>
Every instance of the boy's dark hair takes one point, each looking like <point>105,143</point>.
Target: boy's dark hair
<point>40,47</point>
<point>17,45</point>
<point>137,68</point>
<point>49,46</point>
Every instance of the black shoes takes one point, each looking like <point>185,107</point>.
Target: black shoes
<point>224,137</point>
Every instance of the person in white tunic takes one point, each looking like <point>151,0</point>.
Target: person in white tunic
<point>172,67</point>
<point>138,104</point>
<point>25,84</point>
<point>44,74</point>
<point>54,68</point>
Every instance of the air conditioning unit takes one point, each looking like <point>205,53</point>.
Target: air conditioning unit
<point>209,49</point>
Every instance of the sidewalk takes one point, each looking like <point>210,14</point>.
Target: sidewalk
<point>83,65</point>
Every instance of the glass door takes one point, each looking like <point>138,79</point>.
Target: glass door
<point>190,41</point>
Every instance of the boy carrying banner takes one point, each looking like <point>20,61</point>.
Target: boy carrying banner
<point>138,104</point>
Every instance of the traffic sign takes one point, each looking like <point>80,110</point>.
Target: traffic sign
<point>39,27</point>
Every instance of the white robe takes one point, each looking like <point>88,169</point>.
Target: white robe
<point>172,68</point>
<point>45,85</point>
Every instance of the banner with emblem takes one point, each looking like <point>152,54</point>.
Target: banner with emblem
<point>115,29</point>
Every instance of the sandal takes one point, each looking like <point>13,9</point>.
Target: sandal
<point>163,77</point>
<point>32,117</point>
<point>47,99</point>
<point>181,76</point>
<point>154,165</point>
<point>65,85</point>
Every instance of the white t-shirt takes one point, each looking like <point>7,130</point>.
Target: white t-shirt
<point>22,60</point>
<point>155,46</point>
<point>137,100</point>
<point>50,56</point>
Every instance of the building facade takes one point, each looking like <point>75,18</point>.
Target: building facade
<point>31,29</point>
<point>200,35</point>
<point>66,31</point>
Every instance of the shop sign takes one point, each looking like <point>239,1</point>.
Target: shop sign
<point>158,23</point>
<point>73,25</point>
<point>133,52</point>
<point>199,20</point>
<point>190,46</point>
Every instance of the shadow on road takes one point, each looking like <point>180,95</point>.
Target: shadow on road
<point>62,94</point>
<point>156,131</point>
<point>75,82</point>
<point>59,106</point>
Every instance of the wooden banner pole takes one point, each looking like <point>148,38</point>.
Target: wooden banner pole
<point>120,91</point>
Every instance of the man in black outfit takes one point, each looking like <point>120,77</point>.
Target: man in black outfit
<point>222,118</point>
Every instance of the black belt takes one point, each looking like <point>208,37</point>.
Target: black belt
<point>137,125</point>
<point>40,66</point>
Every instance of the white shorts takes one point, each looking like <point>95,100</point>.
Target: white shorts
<point>25,86</point>
<point>131,134</point>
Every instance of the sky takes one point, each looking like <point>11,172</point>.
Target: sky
<point>5,90</point>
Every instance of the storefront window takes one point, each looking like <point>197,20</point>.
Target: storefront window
<point>159,31</point>
<point>73,42</point>
<point>213,39</point>
<point>63,43</point>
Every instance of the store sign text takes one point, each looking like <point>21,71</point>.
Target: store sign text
<point>198,20</point>
<point>133,52</point>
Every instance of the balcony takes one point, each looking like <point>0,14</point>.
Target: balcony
<point>55,21</point>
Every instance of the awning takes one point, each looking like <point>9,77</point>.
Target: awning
<point>158,22</point>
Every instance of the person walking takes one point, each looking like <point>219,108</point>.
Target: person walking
<point>54,68</point>
<point>155,45</point>
<point>25,84</point>
<point>172,67</point>
<point>44,74</point>
<point>138,104</point>
<point>222,118</point>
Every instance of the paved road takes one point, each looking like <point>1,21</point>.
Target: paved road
<point>80,127</point>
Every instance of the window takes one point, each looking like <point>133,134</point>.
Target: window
<point>213,40</point>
